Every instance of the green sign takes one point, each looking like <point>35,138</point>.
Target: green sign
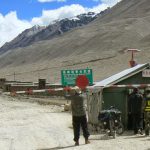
<point>68,77</point>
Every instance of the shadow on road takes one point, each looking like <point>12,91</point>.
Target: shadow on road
<point>59,147</point>
<point>134,137</point>
<point>104,137</point>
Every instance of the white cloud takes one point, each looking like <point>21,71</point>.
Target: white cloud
<point>98,8</point>
<point>110,2</point>
<point>103,5</point>
<point>60,13</point>
<point>43,1</point>
<point>10,26</point>
<point>69,11</point>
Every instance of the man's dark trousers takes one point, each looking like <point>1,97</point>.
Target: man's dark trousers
<point>137,122</point>
<point>77,122</point>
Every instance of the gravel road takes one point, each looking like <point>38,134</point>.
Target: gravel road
<point>30,126</point>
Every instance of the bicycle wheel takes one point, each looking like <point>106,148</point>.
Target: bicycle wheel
<point>120,129</point>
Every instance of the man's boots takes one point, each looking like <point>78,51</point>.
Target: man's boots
<point>87,141</point>
<point>77,143</point>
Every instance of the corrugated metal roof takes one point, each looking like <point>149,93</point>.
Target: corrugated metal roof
<point>119,75</point>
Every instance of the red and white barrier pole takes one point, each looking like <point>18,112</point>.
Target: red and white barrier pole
<point>30,91</point>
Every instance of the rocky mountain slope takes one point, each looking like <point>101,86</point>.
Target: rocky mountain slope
<point>57,28</point>
<point>99,45</point>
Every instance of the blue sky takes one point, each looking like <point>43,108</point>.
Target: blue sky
<point>27,9</point>
<point>18,15</point>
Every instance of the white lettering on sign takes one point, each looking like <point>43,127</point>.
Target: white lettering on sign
<point>146,73</point>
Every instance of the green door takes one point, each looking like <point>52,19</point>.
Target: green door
<point>118,98</point>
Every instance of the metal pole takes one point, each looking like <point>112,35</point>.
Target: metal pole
<point>14,76</point>
<point>132,56</point>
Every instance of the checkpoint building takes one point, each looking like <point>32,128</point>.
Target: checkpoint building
<point>114,91</point>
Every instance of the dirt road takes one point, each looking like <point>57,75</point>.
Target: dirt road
<point>30,126</point>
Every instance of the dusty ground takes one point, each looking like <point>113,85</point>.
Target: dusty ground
<point>30,126</point>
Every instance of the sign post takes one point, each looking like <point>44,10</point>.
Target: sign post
<point>146,73</point>
<point>68,77</point>
<point>132,61</point>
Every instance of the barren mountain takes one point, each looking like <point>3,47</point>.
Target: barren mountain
<point>100,45</point>
<point>56,28</point>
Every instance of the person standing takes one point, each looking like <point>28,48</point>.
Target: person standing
<point>136,110</point>
<point>147,111</point>
<point>79,119</point>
